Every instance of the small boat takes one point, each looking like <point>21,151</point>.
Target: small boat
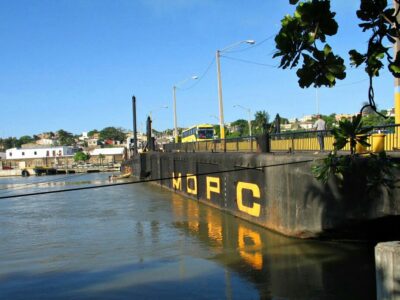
<point>122,176</point>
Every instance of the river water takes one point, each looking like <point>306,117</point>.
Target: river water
<point>143,242</point>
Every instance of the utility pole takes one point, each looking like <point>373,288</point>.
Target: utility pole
<point>135,150</point>
<point>249,120</point>
<point>396,80</point>
<point>221,106</point>
<point>175,117</point>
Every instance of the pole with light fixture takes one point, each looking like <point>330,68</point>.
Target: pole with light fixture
<point>220,100</point>
<point>249,116</point>
<point>176,136</point>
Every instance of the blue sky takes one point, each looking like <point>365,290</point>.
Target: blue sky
<point>76,64</point>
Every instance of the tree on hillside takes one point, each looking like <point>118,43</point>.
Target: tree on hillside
<point>65,138</point>
<point>330,120</point>
<point>168,131</point>
<point>377,120</point>
<point>368,110</point>
<point>91,133</point>
<point>239,128</point>
<point>26,139</point>
<point>261,119</point>
<point>10,142</point>
<point>49,134</point>
<point>112,133</point>
<point>303,39</point>
<point>284,120</point>
<point>217,131</point>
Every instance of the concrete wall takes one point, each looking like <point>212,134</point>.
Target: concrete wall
<point>284,196</point>
<point>7,173</point>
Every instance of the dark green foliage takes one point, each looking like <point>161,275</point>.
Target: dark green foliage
<point>26,139</point>
<point>330,120</point>
<point>91,133</point>
<point>13,142</point>
<point>112,133</point>
<point>322,69</point>
<point>373,171</point>
<point>331,165</point>
<point>81,156</point>
<point>261,119</point>
<point>302,33</point>
<point>242,128</point>
<point>377,120</point>
<point>65,138</point>
<point>350,132</point>
<point>298,37</point>
<point>8,143</point>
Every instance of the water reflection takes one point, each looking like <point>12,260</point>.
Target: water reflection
<point>140,241</point>
<point>281,267</point>
<point>250,247</point>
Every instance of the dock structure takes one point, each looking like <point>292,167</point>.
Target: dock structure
<point>40,171</point>
<point>387,261</point>
<point>275,191</point>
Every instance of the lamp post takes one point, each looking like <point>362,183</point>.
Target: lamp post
<point>174,105</point>
<point>249,116</point>
<point>221,107</point>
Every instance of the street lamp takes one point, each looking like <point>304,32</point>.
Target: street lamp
<point>249,117</point>
<point>174,103</point>
<point>221,108</point>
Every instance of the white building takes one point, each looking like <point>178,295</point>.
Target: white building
<point>39,152</point>
<point>107,151</point>
<point>306,125</point>
<point>114,155</point>
<point>285,127</point>
<point>2,155</point>
<point>306,118</point>
<point>84,136</point>
<point>390,112</point>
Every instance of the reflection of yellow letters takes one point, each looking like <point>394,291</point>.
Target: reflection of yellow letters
<point>190,190</point>
<point>193,216</point>
<point>212,188</point>
<point>250,253</point>
<point>214,227</point>
<point>176,182</point>
<point>256,208</point>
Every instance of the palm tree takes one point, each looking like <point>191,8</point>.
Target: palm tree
<point>101,157</point>
<point>261,119</point>
<point>350,132</point>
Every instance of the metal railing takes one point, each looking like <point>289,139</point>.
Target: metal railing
<point>290,141</point>
<point>241,144</point>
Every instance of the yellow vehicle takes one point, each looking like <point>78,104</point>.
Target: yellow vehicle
<point>202,132</point>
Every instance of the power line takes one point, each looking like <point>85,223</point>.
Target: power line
<point>250,62</point>
<point>200,77</point>
<point>151,180</point>
<point>253,46</point>
<point>352,83</point>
